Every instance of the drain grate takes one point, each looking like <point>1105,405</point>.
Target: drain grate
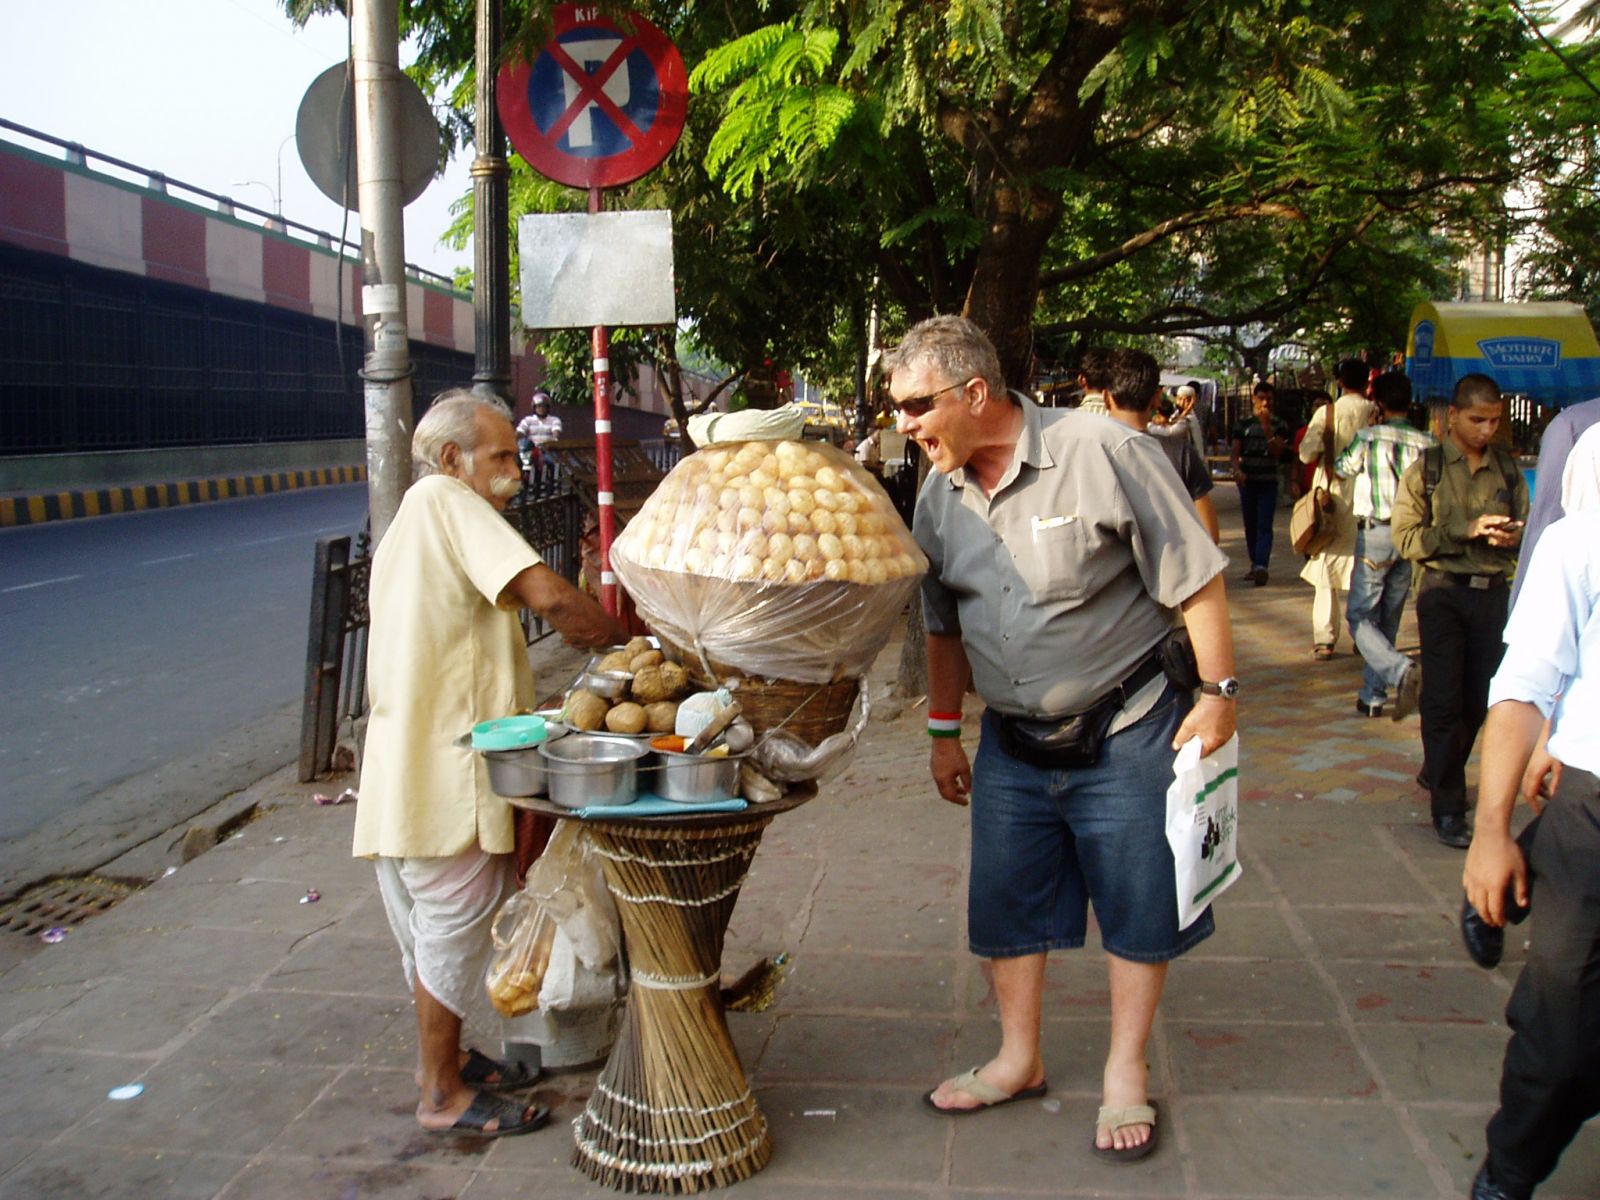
<point>62,902</point>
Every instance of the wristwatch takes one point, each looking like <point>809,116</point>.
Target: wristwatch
<point>1226,688</point>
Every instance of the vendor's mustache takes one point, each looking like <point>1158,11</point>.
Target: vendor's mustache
<point>506,486</point>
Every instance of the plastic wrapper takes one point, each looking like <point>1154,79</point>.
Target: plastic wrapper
<point>779,559</point>
<point>783,758</point>
<point>557,941</point>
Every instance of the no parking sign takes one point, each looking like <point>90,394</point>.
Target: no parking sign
<point>602,104</point>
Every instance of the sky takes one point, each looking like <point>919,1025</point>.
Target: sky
<point>204,91</point>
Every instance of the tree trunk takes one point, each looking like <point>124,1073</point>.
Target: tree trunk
<point>1005,285</point>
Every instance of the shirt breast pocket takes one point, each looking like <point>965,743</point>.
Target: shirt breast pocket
<point>1053,561</point>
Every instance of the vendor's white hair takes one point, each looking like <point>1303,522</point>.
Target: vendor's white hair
<point>452,417</point>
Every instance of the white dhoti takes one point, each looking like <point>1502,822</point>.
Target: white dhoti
<point>441,911</point>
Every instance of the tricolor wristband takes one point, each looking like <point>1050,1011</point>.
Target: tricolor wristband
<point>944,724</point>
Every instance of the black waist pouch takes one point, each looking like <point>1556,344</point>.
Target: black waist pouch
<point>1074,742</point>
<point>1177,660</point>
<point>1066,742</point>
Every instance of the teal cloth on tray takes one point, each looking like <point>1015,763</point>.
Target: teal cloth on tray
<point>650,805</point>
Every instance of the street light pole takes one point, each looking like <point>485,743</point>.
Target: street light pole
<point>491,290</point>
<point>375,59</point>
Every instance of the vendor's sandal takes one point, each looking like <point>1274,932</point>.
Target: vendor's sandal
<point>987,1095</point>
<point>1322,653</point>
<point>481,1071</point>
<point>1110,1120</point>
<point>509,1117</point>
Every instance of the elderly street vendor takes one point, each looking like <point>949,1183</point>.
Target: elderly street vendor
<point>446,651</point>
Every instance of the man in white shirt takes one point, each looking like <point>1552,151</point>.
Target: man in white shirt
<point>1549,678</point>
<point>1329,571</point>
<point>445,651</point>
<point>539,427</point>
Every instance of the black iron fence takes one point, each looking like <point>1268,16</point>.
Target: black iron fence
<point>548,514</point>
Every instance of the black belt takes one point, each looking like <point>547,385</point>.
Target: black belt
<point>1369,522</point>
<point>1478,583</point>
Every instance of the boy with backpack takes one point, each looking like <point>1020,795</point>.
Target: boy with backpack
<point>1460,513</point>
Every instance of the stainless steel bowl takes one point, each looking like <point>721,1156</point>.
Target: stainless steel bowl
<point>694,778</point>
<point>581,770</point>
<point>612,685</point>
<point>520,772</point>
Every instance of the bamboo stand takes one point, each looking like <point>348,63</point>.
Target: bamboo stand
<point>672,1112</point>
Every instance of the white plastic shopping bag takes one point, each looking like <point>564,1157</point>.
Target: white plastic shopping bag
<point>1203,825</point>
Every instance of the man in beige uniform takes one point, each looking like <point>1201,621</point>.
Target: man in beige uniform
<point>1329,571</point>
<point>446,651</point>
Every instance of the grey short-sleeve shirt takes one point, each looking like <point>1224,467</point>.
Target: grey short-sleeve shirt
<point>1063,580</point>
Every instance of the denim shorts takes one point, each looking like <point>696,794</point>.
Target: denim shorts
<point>1048,843</point>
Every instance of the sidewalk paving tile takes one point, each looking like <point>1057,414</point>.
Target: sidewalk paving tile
<point>853,982</point>
<point>1437,1062</point>
<point>126,1016</point>
<point>308,1179</point>
<point>1278,1147</point>
<point>192,1105</point>
<point>1048,1146</point>
<point>826,1134</point>
<point>903,1052</point>
<point>1261,1059</point>
<point>103,1171</point>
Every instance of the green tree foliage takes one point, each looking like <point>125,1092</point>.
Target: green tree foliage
<point>1245,171</point>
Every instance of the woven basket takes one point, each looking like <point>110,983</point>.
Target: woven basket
<point>810,711</point>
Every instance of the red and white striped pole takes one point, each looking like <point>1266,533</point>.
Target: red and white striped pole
<point>602,448</point>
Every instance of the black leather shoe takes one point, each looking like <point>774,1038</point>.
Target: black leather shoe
<point>1369,710</point>
<point>1453,831</point>
<point>1485,1188</point>
<point>1485,943</point>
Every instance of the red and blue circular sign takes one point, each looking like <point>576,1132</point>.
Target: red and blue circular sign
<point>601,105</point>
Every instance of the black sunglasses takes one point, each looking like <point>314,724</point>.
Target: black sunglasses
<point>918,406</point>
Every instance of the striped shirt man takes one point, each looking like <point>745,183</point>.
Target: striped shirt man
<point>1377,458</point>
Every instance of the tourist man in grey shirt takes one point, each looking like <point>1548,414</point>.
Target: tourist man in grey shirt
<point>1061,547</point>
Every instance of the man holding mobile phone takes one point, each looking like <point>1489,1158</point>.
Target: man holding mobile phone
<point>1460,513</point>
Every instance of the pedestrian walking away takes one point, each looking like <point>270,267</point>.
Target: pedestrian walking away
<point>1328,571</point>
<point>1094,373</point>
<point>1056,537</point>
<point>1545,701</point>
<point>446,651</point>
<point>1459,513</point>
<point>1260,446</point>
<point>1134,389</point>
<point>1380,578</point>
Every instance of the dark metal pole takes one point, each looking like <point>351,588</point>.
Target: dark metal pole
<point>491,221</point>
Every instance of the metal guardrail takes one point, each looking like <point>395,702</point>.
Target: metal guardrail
<point>226,205</point>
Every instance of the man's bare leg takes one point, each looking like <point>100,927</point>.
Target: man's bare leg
<point>1135,994</point>
<point>1018,990</point>
<point>444,1097</point>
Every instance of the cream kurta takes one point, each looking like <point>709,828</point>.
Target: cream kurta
<point>440,658</point>
<point>1351,414</point>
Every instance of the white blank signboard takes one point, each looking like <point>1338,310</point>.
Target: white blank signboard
<point>583,269</point>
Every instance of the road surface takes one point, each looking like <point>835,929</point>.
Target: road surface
<point>127,642</point>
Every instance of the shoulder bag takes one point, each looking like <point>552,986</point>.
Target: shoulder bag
<point>1312,527</point>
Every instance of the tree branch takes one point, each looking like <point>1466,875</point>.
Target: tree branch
<point>1199,218</point>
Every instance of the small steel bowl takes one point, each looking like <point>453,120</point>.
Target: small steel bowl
<point>517,773</point>
<point>611,685</point>
<point>581,770</point>
<point>694,778</point>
